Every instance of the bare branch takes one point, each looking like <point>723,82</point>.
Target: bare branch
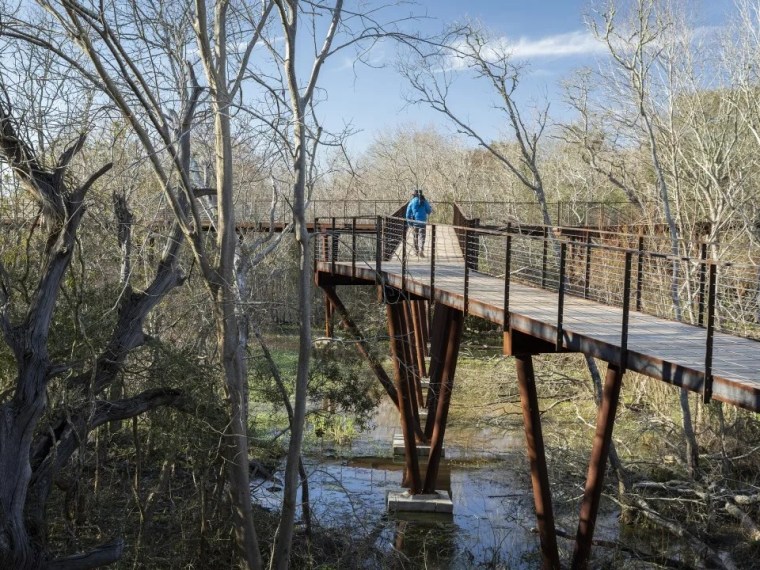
<point>105,554</point>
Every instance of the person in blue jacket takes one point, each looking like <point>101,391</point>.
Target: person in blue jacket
<point>417,213</point>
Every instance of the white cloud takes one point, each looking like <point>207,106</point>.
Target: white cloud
<point>559,45</point>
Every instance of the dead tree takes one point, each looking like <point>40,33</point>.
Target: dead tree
<point>31,458</point>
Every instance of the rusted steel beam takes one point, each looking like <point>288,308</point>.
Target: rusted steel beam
<point>325,279</point>
<point>516,342</point>
<point>418,317</point>
<point>388,294</point>
<point>453,339</point>
<point>539,474</point>
<point>425,321</point>
<point>605,421</point>
<point>437,344</point>
<point>396,330</point>
<point>413,375</point>
<point>361,344</point>
<point>419,340</point>
<point>329,322</point>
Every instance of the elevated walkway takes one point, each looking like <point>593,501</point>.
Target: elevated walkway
<point>549,293</point>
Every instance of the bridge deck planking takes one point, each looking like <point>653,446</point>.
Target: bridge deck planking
<point>667,350</point>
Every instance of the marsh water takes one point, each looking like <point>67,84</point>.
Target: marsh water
<point>486,472</point>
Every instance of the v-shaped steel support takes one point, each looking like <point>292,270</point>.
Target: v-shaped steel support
<point>539,474</point>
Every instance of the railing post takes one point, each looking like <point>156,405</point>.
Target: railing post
<point>626,311</point>
<point>353,247</point>
<point>587,276</point>
<point>432,262</point>
<point>702,279</point>
<point>561,293</point>
<point>403,254</point>
<point>544,257</point>
<point>640,273</point>
<point>711,294</point>
<point>466,270</point>
<point>507,279</point>
<point>315,236</point>
<point>334,248</point>
<point>378,248</point>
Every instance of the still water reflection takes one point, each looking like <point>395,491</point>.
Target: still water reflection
<point>485,471</point>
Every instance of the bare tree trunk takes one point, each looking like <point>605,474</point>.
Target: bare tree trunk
<point>233,362</point>
<point>283,543</point>
<point>692,448</point>
<point>299,102</point>
<point>28,340</point>
<point>617,465</point>
<point>636,65</point>
<point>221,280</point>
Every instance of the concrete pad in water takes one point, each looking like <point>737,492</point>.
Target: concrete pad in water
<point>402,501</point>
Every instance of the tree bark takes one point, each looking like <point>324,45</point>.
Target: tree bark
<point>223,289</point>
<point>28,340</point>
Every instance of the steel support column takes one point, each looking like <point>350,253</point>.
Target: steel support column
<point>396,332</point>
<point>454,321</point>
<point>424,312</point>
<point>419,339</point>
<point>605,420</point>
<point>537,457</point>
<point>329,322</point>
<point>413,374</point>
<point>437,344</point>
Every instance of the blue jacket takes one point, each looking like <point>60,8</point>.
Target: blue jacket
<point>418,211</point>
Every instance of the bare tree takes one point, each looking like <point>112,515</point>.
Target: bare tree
<point>595,134</point>
<point>31,460</point>
<point>330,28</point>
<point>740,57</point>
<point>636,42</point>
<point>159,96</point>
<point>467,48</point>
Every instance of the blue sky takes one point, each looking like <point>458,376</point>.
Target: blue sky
<point>549,35</point>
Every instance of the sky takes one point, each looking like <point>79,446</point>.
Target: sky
<point>548,35</point>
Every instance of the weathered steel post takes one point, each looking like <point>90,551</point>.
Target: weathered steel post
<point>539,474</point>
<point>437,344</point>
<point>561,295</point>
<point>711,294</point>
<point>396,330</point>
<point>605,421</point>
<point>453,333</point>
<point>419,340</point>
<point>412,372</point>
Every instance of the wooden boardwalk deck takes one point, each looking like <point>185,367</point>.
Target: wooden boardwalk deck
<point>667,350</point>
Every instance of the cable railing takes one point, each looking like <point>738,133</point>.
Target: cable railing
<point>565,213</point>
<point>495,267</point>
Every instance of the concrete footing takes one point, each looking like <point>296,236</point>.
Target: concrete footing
<point>422,450</point>
<point>402,501</point>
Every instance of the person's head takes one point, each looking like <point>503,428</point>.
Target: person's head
<point>415,192</point>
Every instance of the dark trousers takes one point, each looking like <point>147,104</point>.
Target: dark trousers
<point>419,233</point>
